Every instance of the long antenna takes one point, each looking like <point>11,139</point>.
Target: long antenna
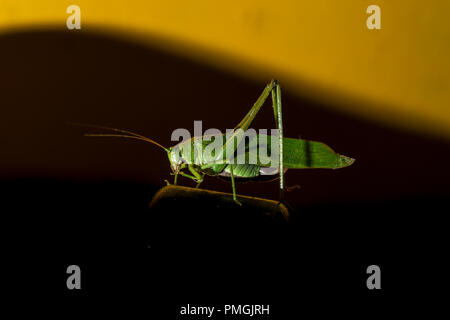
<point>128,134</point>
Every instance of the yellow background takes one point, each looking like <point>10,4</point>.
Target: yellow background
<point>399,74</point>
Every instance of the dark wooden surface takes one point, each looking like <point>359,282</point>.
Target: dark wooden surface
<point>181,216</point>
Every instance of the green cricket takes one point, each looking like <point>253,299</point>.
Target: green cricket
<point>189,160</point>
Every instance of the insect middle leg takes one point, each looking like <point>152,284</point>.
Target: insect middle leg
<point>233,185</point>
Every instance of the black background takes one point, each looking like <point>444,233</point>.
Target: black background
<point>73,200</point>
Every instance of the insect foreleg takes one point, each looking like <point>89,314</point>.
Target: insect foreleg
<point>197,175</point>
<point>200,182</point>
<point>187,176</point>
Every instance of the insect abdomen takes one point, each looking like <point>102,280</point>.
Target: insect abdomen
<point>242,171</point>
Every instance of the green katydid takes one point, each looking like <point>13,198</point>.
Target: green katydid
<point>189,155</point>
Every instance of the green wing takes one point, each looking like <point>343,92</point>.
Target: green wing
<point>298,153</point>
